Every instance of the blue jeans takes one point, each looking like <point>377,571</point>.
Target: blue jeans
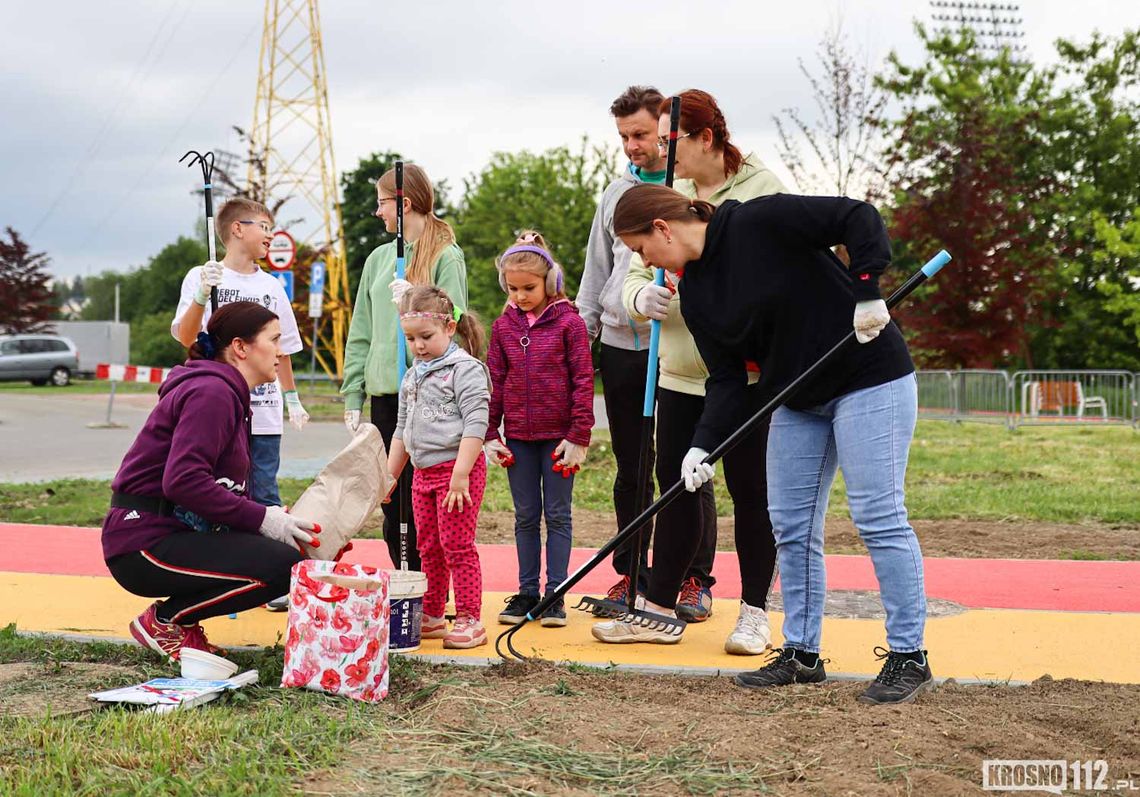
<point>265,459</point>
<point>537,490</point>
<point>867,433</point>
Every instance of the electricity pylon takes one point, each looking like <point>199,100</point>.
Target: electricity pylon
<point>996,26</point>
<point>291,165</point>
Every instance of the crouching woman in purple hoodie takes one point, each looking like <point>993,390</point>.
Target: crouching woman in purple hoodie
<point>181,526</point>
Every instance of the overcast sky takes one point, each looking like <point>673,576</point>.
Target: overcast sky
<point>101,99</point>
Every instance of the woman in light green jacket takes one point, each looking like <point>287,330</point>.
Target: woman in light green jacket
<point>713,169</point>
<point>433,258</point>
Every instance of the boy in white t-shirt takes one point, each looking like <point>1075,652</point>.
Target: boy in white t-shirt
<point>245,227</point>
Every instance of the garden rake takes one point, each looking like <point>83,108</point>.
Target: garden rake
<point>932,267</point>
<point>207,163</point>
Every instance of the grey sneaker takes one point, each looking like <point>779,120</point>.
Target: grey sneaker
<point>782,669</point>
<point>900,681</point>
<point>278,604</point>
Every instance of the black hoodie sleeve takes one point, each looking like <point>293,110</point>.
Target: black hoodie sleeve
<point>821,222</point>
<point>726,400</point>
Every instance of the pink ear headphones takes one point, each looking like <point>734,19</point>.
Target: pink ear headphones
<point>553,276</point>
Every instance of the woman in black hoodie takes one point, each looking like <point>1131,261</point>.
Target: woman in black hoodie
<point>762,285</point>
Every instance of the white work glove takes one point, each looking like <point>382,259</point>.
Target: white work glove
<point>694,472</point>
<point>572,456</point>
<point>652,301</point>
<point>209,276</point>
<point>498,453</point>
<point>297,415</point>
<point>870,319</point>
<point>281,526</point>
<point>352,420</point>
<point>398,287</point>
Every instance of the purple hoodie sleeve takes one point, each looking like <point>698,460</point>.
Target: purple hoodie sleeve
<point>581,367</point>
<point>205,429</point>
<point>497,366</point>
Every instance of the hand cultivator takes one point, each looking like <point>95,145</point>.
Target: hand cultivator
<point>931,268</point>
<point>207,163</point>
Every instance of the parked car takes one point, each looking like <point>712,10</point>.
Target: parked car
<point>38,358</point>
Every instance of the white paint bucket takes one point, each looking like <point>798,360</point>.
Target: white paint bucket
<point>406,590</point>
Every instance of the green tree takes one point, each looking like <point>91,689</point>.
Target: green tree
<point>1095,151</point>
<point>1122,298</point>
<point>363,232</point>
<point>555,192</point>
<point>151,341</point>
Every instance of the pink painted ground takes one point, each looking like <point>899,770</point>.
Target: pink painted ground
<point>976,583</point>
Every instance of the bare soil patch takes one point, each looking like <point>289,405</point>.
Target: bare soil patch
<point>31,689</point>
<point>970,539</point>
<point>540,729</point>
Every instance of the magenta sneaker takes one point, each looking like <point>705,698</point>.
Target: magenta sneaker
<point>163,638</point>
<point>196,638</point>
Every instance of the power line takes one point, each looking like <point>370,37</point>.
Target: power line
<point>112,117</point>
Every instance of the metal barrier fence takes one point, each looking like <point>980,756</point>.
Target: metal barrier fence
<point>1030,397</point>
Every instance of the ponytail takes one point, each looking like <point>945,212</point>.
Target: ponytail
<point>243,320</point>
<point>432,302</point>
<point>640,205</point>
<point>437,234</point>
<point>699,111</point>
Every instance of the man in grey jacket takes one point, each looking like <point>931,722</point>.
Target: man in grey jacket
<point>624,342</point>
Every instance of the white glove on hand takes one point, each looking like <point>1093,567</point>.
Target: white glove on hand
<point>498,452</point>
<point>694,472</point>
<point>398,287</point>
<point>281,526</point>
<point>209,276</point>
<point>870,319</point>
<point>572,456</point>
<point>352,420</point>
<point>297,415</point>
<point>652,301</point>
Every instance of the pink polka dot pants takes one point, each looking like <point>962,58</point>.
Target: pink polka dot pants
<point>446,540</point>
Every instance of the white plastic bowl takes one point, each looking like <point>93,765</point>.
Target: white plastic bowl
<point>205,666</point>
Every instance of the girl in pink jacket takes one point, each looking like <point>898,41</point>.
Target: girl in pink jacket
<point>543,394</point>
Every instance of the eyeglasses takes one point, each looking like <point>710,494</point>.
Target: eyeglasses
<point>663,143</point>
<point>264,225</point>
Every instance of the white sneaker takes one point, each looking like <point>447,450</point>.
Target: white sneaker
<point>752,636</point>
<point>619,632</point>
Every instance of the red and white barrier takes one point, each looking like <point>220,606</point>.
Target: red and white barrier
<point>131,373</point>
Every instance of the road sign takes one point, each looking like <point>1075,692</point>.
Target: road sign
<point>282,251</point>
<point>286,280</point>
<point>316,288</point>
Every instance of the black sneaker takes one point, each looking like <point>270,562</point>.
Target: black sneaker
<point>555,616</point>
<point>900,681</point>
<point>782,669</point>
<point>517,608</point>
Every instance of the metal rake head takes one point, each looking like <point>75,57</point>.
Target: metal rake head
<point>601,607</point>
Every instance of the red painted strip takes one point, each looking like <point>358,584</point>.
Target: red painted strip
<point>976,583</point>
<point>131,374</point>
<point>102,371</point>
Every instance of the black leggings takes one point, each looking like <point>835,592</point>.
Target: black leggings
<point>623,385</point>
<point>204,574</point>
<point>385,412</point>
<point>679,525</point>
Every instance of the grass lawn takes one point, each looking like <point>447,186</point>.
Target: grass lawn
<point>962,471</point>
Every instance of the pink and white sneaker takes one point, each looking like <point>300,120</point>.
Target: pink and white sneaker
<point>433,627</point>
<point>467,632</point>
<point>165,639</point>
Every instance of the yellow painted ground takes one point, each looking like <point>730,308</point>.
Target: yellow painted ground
<point>988,644</point>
